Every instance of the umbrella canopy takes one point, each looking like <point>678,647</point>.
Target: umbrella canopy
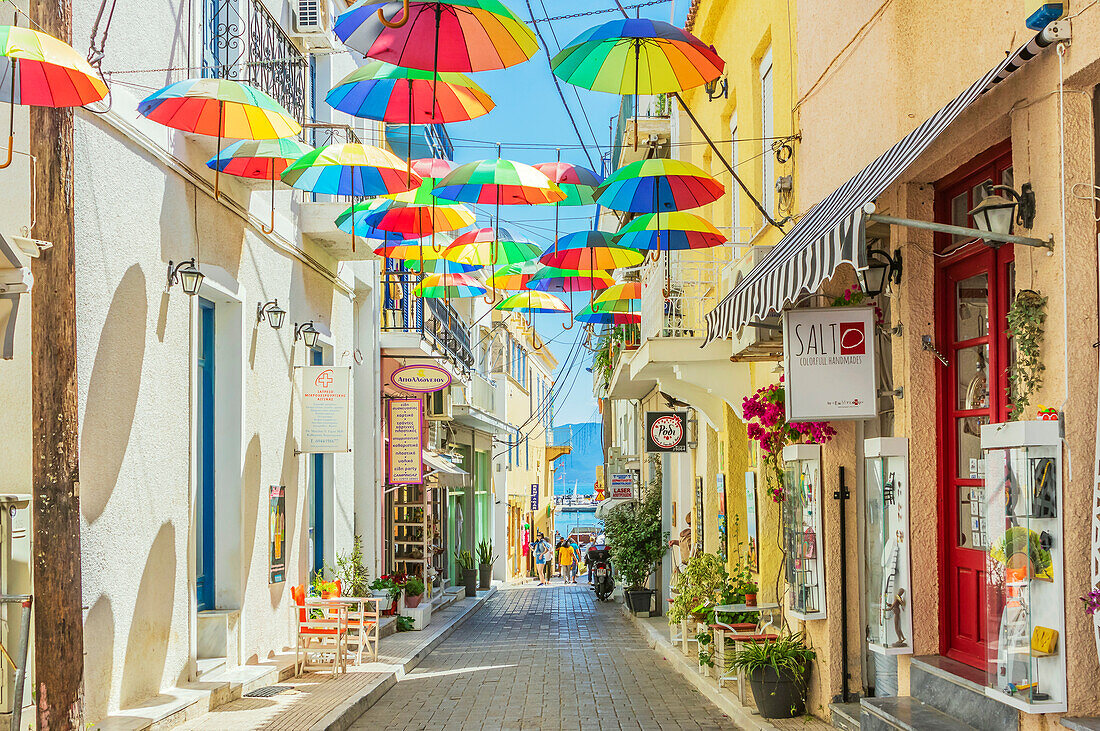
<point>39,70</point>
<point>590,250</point>
<point>351,169</point>
<point>675,231</point>
<point>487,247</point>
<point>219,107</point>
<point>578,183</point>
<point>438,35</point>
<point>620,293</point>
<point>552,279</point>
<point>501,182</point>
<point>637,56</point>
<point>402,214</point>
<point>259,159</point>
<point>397,95</point>
<point>432,168</point>
<point>648,186</point>
<point>439,266</point>
<point>532,302</point>
<point>513,276</point>
<point>408,250</point>
<point>596,315</point>
<point>438,286</point>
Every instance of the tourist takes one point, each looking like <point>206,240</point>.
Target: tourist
<point>567,559</point>
<point>542,554</point>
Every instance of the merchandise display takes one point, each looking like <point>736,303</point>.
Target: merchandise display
<point>890,626</point>
<point>801,527</point>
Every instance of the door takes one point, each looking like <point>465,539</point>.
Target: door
<point>316,497</point>
<point>204,493</point>
<point>975,285</point>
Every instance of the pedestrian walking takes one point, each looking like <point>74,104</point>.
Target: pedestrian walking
<point>567,560</point>
<point>542,552</point>
<point>576,558</point>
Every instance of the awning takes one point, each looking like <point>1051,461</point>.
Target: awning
<point>441,464</point>
<point>604,506</point>
<point>831,233</point>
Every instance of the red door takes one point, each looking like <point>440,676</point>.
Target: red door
<point>974,284</point>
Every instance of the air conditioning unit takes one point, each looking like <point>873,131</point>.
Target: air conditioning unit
<point>738,270</point>
<point>439,406</point>
<point>312,23</point>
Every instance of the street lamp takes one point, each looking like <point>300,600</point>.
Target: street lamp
<point>994,213</point>
<point>187,275</point>
<point>717,89</point>
<point>881,271</point>
<point>271,312</point>
<point>306,333</point>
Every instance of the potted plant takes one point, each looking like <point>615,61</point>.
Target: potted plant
<point>750,588</point>
<point>634,536</point>
<point>697,587</point>
<point>322,588</point>
<point>414,592</point>
<point>485,560</point>
<point>351,572</point>
<point>777,671</point>
<point>386,588</point>
<point>469,571</point>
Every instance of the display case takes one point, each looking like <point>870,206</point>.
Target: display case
<point>886,516</point>
<point>805,567</point>
<point>1025,598</point>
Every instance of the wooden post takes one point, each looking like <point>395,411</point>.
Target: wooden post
<point>58,621</point>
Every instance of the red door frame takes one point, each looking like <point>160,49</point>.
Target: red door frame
<point>965,262</point>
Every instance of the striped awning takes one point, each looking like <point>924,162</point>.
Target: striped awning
<point>832,232</point>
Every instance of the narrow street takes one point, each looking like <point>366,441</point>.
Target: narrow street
<point>545,658</point>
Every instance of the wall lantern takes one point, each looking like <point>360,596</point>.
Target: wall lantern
<point>271,312</point>
<point>881,271</point>
<point>717,89</point>
<point>187,275</point>
<point>306,333</point>
<point>994,213</point>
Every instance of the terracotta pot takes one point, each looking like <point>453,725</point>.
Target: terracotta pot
<point>412,602</point>
<point>750,600</point>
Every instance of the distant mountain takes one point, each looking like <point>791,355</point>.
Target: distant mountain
<point>580,466</point>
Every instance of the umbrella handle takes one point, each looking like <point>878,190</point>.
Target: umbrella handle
<point>11,115</point>
<point>263,228</point>
<point>11,146</point>
<point>571,322</point>
<point>396,23</point>
<point>654,256</point>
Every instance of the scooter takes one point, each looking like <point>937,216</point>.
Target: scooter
<point>599,566</point>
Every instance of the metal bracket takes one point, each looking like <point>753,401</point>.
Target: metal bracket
<point>926,344</point>
<point>898,392</point>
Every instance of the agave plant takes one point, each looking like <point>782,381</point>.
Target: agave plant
<point>485,555</point>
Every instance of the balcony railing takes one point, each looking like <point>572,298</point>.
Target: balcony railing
<point>480,394</point>
<point>679,290</point>
<point>435,321</point>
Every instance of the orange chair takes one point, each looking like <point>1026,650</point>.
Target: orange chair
<point>319,637</point>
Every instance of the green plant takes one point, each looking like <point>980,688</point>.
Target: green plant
<point>611,343</point>
<point>1025,320</point>
<point>388,584</point>
<point>405,624</point>
<point>319,585</point>
<point>414,586</point>
<point>351,571</point>
<point>788,653</point>
<point>634,536</point>
<point>485,555</point>
<point>706,652</point>
<point>698,585</point>
<point>1020,540</point>
<point>465,559</point>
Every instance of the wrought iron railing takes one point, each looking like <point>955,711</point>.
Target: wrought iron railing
<point>679,290</point>
<point>244,42</point>
<point>435,321</point>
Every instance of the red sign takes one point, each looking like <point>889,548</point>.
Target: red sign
<point>853,340</point>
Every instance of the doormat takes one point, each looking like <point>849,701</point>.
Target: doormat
<point>267,691</point>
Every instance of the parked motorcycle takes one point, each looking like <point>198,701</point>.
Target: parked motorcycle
<point>599,566</point>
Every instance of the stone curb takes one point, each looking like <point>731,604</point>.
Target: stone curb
<point>341,717</point>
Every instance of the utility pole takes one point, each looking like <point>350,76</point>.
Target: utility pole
<point>58,620</point>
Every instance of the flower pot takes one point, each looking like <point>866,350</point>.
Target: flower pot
<point>639,600</point>
<point>412,602</point>
<point>485,575</point>
<point>469,578</point>
<point>779,694</point>
<point>750,600</point>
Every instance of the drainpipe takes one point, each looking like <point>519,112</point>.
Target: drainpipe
<point>841,495</point>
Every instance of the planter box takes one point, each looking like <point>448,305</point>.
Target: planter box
<point>421,615</point>
<point>387,602</point>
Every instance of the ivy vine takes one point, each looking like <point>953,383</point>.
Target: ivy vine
<point>1025,320</point>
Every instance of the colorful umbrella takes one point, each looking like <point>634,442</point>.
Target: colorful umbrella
<point>663,185</point>
<point>432,168</point>
<point>675,231</point>
<point>620,293</point>
<point>350,169</point>
<point>397,95</point>
<point>578,183</point>
<point>408,250</point>
<point>439,286</point>
<point>513,277</point>
<point>487,246</point>
<point>259,160</point>
<point>590,250</point>
<point>532,302</point>
<point>39,70</point>
<point>222,108</point>
<point>437,35</point>
<point>595,315</point>
<point>404,214</point>
<point>499,182</point>
<point>439,266</point>
<point>552,279</point>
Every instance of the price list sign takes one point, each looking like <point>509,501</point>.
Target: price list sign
<point>406,436</point>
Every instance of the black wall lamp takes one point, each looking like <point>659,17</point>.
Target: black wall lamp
<point>717,89</point>
<point>186,274</point>
<point>994,213</point>
<point>271,312</point>
<point>306,333</point>
<point>882,270</point>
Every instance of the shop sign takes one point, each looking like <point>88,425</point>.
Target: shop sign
<point>720,483</point>
<point>666,431</point>
<point>421,378</point>
<point>324,408</point>
<point>829,363</point>
<point>752,555</point>
<point>277,531</point>
<point>622,487</point>
<point>404,425</point>
<point>534,496</point>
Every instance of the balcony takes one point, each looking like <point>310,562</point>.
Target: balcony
<point>479,403</point>
<point>679,290</point>
<point>653,124</point>
<point>416,326</point>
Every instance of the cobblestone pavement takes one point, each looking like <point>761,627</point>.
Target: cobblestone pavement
<point>544,658</point>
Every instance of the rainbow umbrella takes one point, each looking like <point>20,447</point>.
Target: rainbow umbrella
<point>440,286</point>
<point>432,168</point>
<point>552,279</point>
<point>620,293</point>
<point>408,250</point>
<point>578,183</point>
<point>513,277</point>
<point>676,231</point>
<point>590,250</point>
<point>595,315</point>
<point>405,214</point>
<point>532,302</point>
<point>437,35</point>
<point>487,246</point>
<point>397,95</point>
<point>499,182</point>
<point>259,160</point>
<point>637,56</point>
<point>222,108</point>
<point>39,70</point>
<point>658,185</point>
<point>439,266</point>
<point>350,169</point>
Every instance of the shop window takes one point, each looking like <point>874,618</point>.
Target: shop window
<point>767,131</point>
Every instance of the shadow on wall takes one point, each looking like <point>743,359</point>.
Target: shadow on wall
<point>288,477</point>
<point>112,393</point>
<point>251,493</point>
<point>99,644</point>
<point>151,625</point>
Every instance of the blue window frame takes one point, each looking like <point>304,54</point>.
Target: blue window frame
<point>317,496</point>
<point>204,494</point>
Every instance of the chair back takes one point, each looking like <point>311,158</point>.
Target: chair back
<point>298,594</point>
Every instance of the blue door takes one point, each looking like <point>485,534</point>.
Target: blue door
<point>316,497</point>
<point>204,495</point>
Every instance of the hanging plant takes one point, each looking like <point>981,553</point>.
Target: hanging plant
<point>1025,320</point>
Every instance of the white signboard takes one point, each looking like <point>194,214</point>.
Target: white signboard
<point>829,363</point>
<point>324,408</point>
<point>622,487</point>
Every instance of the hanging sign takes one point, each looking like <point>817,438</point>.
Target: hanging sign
<point>752,553</point>
<point>421,378</point>
<point>404,427</point>
<point>829,363</point>
<point>723,530</point>
<point>622,487</point>
<point>534,496</point>
<point>277,531</point>
<point>666,431</point>
<point>324,408</point>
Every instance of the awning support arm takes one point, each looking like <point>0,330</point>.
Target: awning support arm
<point>971,233</point>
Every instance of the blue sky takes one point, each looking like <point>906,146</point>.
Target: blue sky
<point>530,122</point>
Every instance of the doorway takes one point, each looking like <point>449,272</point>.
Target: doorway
<point>975,284</point>
<point>204,493</point>
<point>318,470</point>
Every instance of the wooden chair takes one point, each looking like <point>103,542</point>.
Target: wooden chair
<point>320,637</point>
<point>364,627</point>
<point>734,634</point>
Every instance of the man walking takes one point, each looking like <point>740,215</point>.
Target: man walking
<point>567,559</point>
<point>542,553</point>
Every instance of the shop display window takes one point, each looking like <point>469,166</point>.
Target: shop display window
<point>886,512</point>
<point>1025,605</point>
<point>805,567</point>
